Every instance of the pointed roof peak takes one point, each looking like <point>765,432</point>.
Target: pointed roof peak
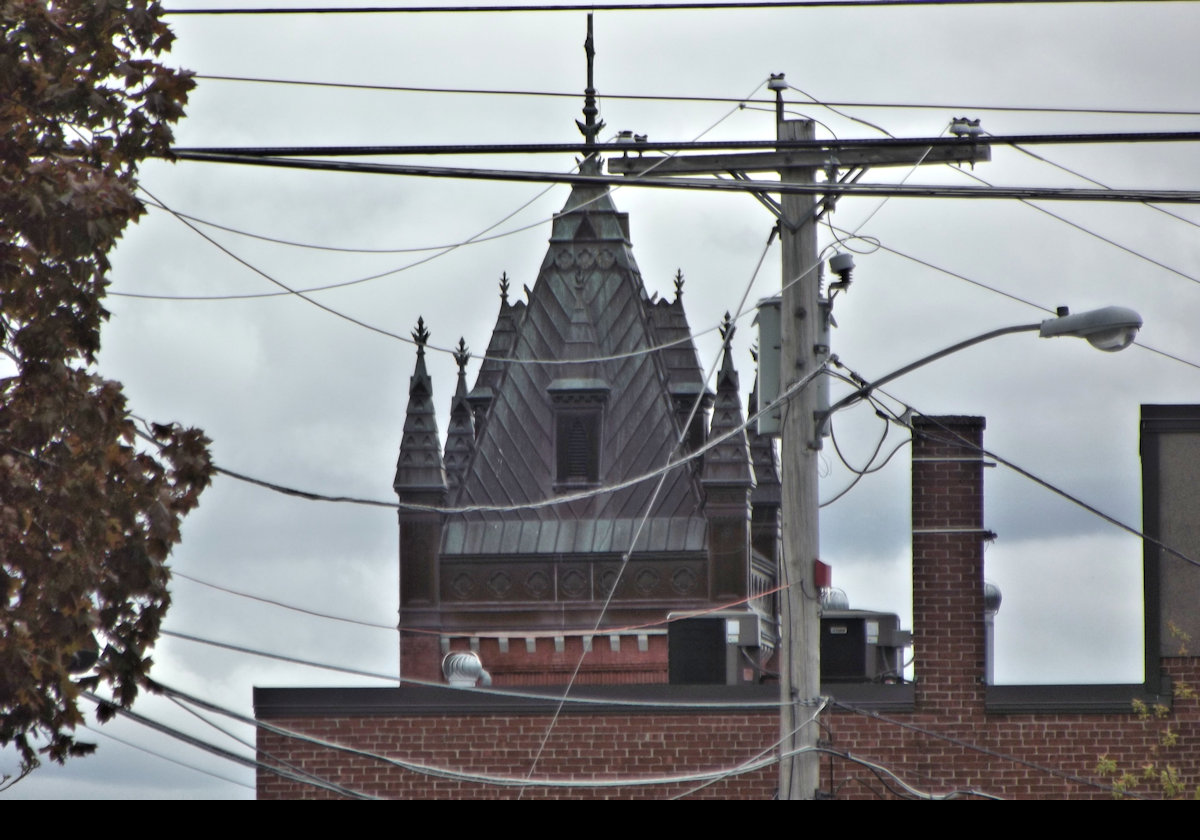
<point>727,330</point>
<point>421,337</point>
<point>462,355</point>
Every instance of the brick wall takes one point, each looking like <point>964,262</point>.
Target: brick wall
<point>947,560</point>
<point>582,745</point>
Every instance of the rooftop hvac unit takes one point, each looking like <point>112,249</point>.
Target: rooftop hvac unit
<point>710,649</point>
<point>862,646</point>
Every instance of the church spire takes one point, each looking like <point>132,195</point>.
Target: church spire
<point>767,488</point>
<point>419,466</point>
<point>728,463</point>
<point>460,437</point>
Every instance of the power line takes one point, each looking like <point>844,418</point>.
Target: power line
<point>912,727</point>
<point>699,452</point>
<point>913,793</point>
<point>446,247</point>
<point>187,637</point>
<point>148,751</point>
<point>467,776</point>
<point>1054,488</point>
<point>959,440</point>
<point>524,634</point>
<point>1083,229</point>
<point>291,768</point>
<point>967,145</point>
<point>923,106</point>
<point>1067,169</point>
<point>491,691</point>
<point>682,183</point>
<point>281,604</point>
<point>957,276</point>
<point>1009,295</point>
<point>634,7</point>
<point>220,752</point>
<point>303,295</point>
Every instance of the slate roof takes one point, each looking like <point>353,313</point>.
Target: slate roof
<point>588,302</point>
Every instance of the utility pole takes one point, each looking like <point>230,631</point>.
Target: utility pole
<point>804,327</point>
<point>800,663</point>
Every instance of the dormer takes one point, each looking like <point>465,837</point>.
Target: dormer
<point>578,430</point>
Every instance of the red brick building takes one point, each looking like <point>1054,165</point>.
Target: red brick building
<point>554,508</point>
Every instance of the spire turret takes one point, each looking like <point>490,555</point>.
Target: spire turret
<point>460,437</point>
<point>419,466</point>
<point>728,463</point>
<point>767,485</point>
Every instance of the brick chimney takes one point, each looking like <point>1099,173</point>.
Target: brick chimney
<point>947,559</point>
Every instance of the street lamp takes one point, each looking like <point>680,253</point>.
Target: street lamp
<point>1110,329</point>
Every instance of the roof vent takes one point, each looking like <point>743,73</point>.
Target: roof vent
<point>464,668</point>
<point>834,599</point>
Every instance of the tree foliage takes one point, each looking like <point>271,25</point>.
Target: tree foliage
<point>1157,776</point>
<point>88,513</point>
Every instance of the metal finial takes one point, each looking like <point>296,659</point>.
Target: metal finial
<point>678,283</point>
<point>727,329</point>
<point>590,127</point>
<point>420,335</point>
<point>462,355</point>
<point>504,287</point>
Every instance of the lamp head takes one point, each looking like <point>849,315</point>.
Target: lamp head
<point>1110,329</point>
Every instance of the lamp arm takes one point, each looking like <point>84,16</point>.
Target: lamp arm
<point>823,416</point>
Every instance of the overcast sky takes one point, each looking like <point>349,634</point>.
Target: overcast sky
<point>294,395</point>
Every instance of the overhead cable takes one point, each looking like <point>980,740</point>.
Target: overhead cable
<point>958,440</point>
<point>581,148</point>
<point>566,498</point>
<point>624,7</point>
<point>1054,488</point>
<point>1084,229</point>
<point>262,754</point>
<point>491,779</point>
<point>995,290</point>
<point>967,745</point>
<point>187,637</point>
<point>281,604</point>
<point>923,106</point>
<point>1011,296</point>
<point>156,754</point>
<point>1101,184</point>
<point>538,634</point>
<point>507,692</point>
<point>682,183</point>
<point>218,751</point>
